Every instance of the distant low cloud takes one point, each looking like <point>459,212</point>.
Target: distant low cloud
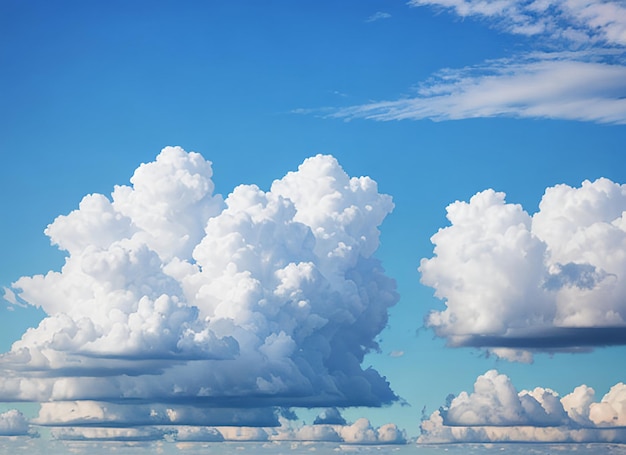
<point>496,412</point>
<point>109,434</point>
<point>378,16</point>
<point>515,284</point>
<point>13,423</point>
<point>183,303</point>
<point>539,85</point>
<point>330,416</point>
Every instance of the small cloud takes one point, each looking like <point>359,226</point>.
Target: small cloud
<point>360,432</point>
<point>396,353</point>
<point>330,416</point>
<point>13,423</point>
<point>12,299</point>
<point>378,16</point>
<point>338,93</point>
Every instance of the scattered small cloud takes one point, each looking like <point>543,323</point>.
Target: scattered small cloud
<point>360,432</point>
<point>14,423</point>
<point>380,15</point>
<point>10,297</point>
<point>496,412</point>
<point>515,284</point>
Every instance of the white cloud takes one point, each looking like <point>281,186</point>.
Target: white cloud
<point>514,283</point>
<point>496,412</point>
<point>360,432</point>
<point>330,416</point>
<point>378,16</point>
<point>539,85</point>
<point>109,434</point>
<point>13,423</point>
<point>172,294</point>
<point>574,21</point>
<point>581,77</point>
<point>93,413</point>
<point>196,434</point>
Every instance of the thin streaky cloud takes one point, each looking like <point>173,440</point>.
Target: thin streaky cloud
<point>537,86</point>
<point>573,22</point>
<point>378,16</point>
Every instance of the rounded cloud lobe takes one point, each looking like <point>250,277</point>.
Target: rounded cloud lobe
<point>172,294</point>
<point>496,412</point>
<point>515,283</point>
<point>13,423</point>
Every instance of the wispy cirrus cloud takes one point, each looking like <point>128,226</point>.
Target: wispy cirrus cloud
<point>538,85</point>
<point>578,22</point>
<point>573,70</point>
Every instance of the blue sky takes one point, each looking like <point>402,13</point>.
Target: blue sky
<point>435,101</point>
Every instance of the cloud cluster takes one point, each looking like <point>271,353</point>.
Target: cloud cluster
<point>514,283</point>
<point>360,432</point>
<point>496,412</point>
<point>172,295</point>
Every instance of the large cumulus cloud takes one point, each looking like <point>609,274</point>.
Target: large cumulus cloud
<point>496,412</point>
<point>515,283</point>
<point>172,294</point>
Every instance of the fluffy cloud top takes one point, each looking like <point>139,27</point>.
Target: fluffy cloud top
<point>570,20</point>
<point>496,412</point>
<point>515,283</point>
<point>13,423</point>
<point>171,294</point>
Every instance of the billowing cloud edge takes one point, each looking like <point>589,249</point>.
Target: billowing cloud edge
<point>171,294</point>
<point>514,284</point>
<point>496,412</point>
